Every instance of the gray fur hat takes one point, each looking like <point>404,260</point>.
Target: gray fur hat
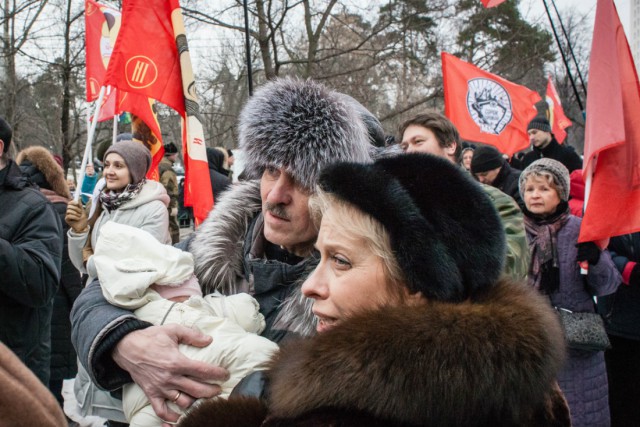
<point>301,126</point>
<point>557,170</point>
<point>135,155</point>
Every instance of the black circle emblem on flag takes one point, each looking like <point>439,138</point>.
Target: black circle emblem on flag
<point>489,105</point>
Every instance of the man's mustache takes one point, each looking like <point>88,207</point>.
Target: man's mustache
<point>277,209</point>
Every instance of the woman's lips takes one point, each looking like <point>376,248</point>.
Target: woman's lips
<point>325,323</point>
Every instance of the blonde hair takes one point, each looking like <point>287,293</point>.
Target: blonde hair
<point>356,224</point>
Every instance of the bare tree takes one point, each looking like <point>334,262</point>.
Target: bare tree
<point>18,19</point>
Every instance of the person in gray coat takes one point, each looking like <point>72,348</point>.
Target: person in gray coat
<point>552,233</point>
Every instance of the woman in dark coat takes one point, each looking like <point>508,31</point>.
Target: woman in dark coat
<point>219,179</point>
<point>621,312</point>
<point>39,166</point>
<point>554,271</point>
<point>415,326</point>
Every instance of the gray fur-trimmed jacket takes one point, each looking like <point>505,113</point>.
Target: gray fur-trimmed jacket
<point>227,260</point>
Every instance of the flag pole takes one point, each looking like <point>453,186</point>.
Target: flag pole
<point>564,57</point>
<point>573,56</point>
<point>588,180</point>
<point>87,148</point>
<point>247,41</point>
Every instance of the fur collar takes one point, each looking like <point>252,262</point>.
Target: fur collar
<point>217,243</point>
<point>492,361</point>
<point>42,159</point>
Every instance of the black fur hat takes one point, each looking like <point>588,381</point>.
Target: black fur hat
<point>301,126</point>
<point>445,232</point>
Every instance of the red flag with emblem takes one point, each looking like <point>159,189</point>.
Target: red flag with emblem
<point>612,132</point>
<point>492,3</point>
<point>156,70</point>
<point>145,57</point>
<point>485,107</point>
<point>559,122</point>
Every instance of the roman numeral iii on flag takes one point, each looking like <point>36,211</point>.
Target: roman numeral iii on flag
<point>151,58</point>
<point>102,26</point>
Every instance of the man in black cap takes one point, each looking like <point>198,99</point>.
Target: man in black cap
<point>169,179</point>
<point>544,144</point>
<point>490,168</point>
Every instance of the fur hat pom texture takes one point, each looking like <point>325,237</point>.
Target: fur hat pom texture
<point>301,126</point>
<point>445,232</point>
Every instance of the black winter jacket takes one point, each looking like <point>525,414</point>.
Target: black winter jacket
<point>30,258</point>
<point>621,310</point>
<point>562,153</point>
<point>507,182</point>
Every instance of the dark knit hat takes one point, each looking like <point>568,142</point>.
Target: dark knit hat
<point>557,170</point>
<point>445,232</point>
<point>540,123</point>
<point>301,126</point>
<point>170,148</point>
<point>486,158</point>
<point>135,155</point>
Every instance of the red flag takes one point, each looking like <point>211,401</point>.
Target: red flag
<point>101,29</point>
<point>145,57</point>
<point>559,122</point>
<point>612,132</point>
<point>198,191</point>
<point>492,3</point>
<point>487,108</point>
<point>154,69</point>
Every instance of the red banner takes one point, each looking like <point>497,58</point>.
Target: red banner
<point>612,132</point>
<point>559,122</point>
<point>492,3</point>
<point>487,108</point>
<point>101,30</point>
<point>145,57</point>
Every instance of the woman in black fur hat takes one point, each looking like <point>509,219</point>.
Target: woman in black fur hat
<point>415,326</point>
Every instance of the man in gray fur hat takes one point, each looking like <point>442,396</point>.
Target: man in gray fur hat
<point>258,239</point>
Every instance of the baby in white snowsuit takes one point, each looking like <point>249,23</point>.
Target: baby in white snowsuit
<point>139,273</point>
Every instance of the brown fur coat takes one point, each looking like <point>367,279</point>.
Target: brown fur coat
<point>492,361</point>
<point>24,401</point>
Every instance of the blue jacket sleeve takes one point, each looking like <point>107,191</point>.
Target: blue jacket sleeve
<point>97,327</point>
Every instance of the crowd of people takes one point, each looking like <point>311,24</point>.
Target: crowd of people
<point>348,278</point>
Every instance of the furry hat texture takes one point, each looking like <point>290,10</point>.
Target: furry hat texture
<point>557,170</point>
<point>445,232</point>
<point>490,362</point>
<point>301,126</point>
<point>39,165</point>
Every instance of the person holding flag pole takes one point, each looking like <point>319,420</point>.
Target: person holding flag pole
<point>612,198</point>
